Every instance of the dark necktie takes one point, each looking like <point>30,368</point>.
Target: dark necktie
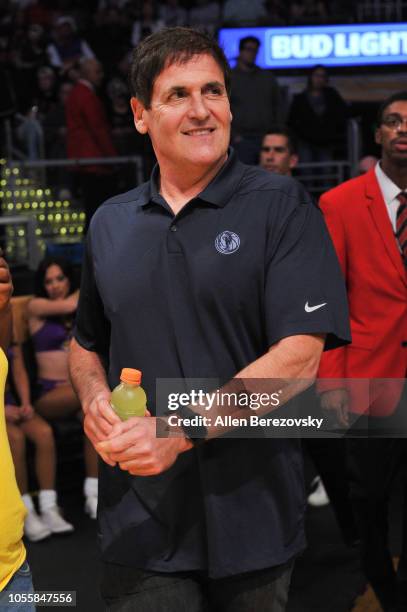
<point>401,225</point>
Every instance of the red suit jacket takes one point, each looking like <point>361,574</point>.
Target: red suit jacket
<point>376,282</point>
<point>88,132</point>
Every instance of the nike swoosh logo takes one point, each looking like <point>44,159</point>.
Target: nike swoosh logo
<point>309,308</point>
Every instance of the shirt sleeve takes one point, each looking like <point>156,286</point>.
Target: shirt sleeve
<point>332,365</point>
<point>304,289</point>
<point>92,328</point>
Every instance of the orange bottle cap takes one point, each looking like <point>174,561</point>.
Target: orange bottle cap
<point>130,375</point>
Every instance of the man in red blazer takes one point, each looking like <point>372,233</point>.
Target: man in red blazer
<point>367,219</point>
<point>89,135</point>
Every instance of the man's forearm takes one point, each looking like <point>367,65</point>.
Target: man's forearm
<point>87,374</point>
<point>292,357</point>
<point>287,369</point>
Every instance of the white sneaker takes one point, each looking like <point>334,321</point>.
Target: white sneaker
<point>91,506</point>
<point>34,528</point>
<point>318,497</point>
<point>54,521</point>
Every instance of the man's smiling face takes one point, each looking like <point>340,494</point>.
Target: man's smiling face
<point>189,117</point>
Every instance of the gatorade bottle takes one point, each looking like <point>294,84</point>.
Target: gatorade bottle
<point>128,398</point>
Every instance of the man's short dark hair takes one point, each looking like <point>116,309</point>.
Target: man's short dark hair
<point>283,130</point>
<point>170,46</point>
<point>248,39</point>
<point>399,96</point>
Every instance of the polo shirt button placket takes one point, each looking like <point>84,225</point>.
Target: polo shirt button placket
<point>172,241</point>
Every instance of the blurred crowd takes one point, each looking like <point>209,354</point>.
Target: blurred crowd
<point>43,42</point>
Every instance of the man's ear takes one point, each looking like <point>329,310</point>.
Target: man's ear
<point>138,114</point>
<point>293,160</point>
<point>378,136</point>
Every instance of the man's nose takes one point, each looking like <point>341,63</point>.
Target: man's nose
<point>198,108</point>
<point>402,127</point>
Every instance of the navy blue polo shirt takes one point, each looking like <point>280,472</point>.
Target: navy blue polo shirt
<point>201,294</point>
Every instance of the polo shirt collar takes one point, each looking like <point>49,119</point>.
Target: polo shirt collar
<point>218,192</point>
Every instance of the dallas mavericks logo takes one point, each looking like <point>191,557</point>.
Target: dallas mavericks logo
<point>227,242</point>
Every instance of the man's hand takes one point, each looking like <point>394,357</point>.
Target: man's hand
<point>6,285</point>
<point>12,413</point>
<point>99,421</point>
<point>134,445</point>
<point>337,401</point>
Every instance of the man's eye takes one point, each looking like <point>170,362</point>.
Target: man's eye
<point>215,90</point>
<point>176,95</point>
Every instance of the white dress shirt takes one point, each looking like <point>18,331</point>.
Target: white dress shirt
<point>390,191</point>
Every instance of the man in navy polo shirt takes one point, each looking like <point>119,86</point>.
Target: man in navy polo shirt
<point>212,269</point>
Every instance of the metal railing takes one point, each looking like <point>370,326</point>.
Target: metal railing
<point>318,177</point>
<point>137,160</point>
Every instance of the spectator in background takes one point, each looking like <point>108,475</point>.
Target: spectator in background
<point>119,74</point>
<point>278,151</point>
<point>318,117</point>
<point>89,135</point>
<point>172,14</point>
<point>125,139</point>
<point>255,102</point>
<point>366,217</point>
<point>243,13</point>
<point>205,14</point>
<point>45,95</point>
<point>30,56</point>
<point>138,145</point>
<point>42,101</point>
<point>27,55</point>
<point>367,163</point>
<point>54,127</point>
<point>50,320</point>
<point>147,24</point>
<point>54,124</point>
<point>120,116</point>
<point>24,424</point>
<point>68,48</point>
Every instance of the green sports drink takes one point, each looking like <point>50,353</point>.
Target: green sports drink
<point>128,399</point>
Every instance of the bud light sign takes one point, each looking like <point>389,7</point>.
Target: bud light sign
<point>339,45</point>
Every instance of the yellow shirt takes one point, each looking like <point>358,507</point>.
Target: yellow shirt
<point>12,509</point>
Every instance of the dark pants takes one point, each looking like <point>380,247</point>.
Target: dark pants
<point>329,457</point>
<point>126,589</point>
<point>374,464</point>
